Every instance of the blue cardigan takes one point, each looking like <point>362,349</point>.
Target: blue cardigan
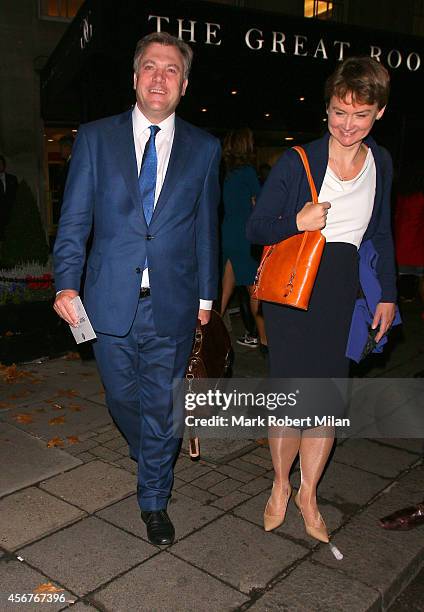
<point>286,191</point>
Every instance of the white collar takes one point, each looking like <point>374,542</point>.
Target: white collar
<point>141,123</point>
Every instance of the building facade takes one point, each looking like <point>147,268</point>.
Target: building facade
<point>84,69</point>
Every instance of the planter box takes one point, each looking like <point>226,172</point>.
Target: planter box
<point>35,331</point>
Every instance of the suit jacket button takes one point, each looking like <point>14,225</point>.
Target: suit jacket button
<point>149,237</point>
<point>138,270</point>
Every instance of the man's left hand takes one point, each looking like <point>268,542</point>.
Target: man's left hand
<point>204,316</point>
<point>384,315</point>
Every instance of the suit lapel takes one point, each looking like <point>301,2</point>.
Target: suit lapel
<point>177,161</point>
<point>124,148</point>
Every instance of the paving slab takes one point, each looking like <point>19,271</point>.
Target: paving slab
<point>187,515</point>
<point>30,514</point>
<point>248,467</point>
<point>413,445</point>
<point>13,396</point>
<point>81,606</point>
<point>88,554</point>
<point>374,457</point>
<point>253,510</point>
<point>17,577</point>
<point>239,553</point>
<point>347,486</point>
<point>383,560</point>
<point>312,587</point>
<point>32,463</point>
<point>222,450</point>
<point>62,418</point>
<point>167,584</point>
<point>230,501</point>
<point>92,486</point>
<point>204,497</point>
<point>193,471</point>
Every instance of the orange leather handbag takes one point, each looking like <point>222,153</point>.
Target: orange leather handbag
<point>287,272</point>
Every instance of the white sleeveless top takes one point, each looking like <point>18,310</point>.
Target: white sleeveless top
<point>351,203</point>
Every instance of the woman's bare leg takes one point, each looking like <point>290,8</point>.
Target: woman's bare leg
<point>284,444</point>
<point>257,313</point>
<point>314,452</point>
<point>228,284</point>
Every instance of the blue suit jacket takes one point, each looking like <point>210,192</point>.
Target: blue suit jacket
<point>180,242</point>
<point>286,191</point>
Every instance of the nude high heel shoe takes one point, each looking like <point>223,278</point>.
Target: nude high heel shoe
<point>319,533</point>
<point>272,521</point>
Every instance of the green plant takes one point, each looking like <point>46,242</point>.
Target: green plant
<point>24,240</point>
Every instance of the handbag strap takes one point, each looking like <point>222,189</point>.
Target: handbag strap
<point>305,162</point>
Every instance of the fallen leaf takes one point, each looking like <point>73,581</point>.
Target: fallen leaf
<point>19,394</point>
<point>66,393</point>
<point>75,407</point>
<point>57,420</point>
<point>262,442</point>
<point>72,356</point>
<point>23,417</point>
<point>57,407</point>
<point>47,587</point>
<point>9,333</point>
<point>4,405</point>
<point>55,442</point>
<point>72,439</point>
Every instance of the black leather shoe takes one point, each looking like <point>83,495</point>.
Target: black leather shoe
<point>160,530</point>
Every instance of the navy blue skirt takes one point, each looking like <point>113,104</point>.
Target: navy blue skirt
<point>312,343</point>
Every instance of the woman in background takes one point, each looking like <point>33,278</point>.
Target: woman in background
<point>240,189</point>
<point>353,177</point>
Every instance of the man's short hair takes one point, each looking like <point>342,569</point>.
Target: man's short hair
<point>166,39</point>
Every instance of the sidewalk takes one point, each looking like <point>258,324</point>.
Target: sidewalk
<point>69,515</point>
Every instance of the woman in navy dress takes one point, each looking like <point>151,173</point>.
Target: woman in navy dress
<point>353,178</point>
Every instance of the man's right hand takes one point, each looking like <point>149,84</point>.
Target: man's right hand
<point>64,308</point>
<point>312,216</point>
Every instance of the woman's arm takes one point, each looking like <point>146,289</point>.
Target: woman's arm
<point>274,216</point>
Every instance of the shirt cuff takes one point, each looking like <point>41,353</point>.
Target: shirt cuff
<point>205,304</point>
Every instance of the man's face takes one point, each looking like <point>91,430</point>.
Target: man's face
<point>159,83</point>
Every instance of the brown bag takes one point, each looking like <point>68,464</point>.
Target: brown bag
<point>287,272</point>
<point>210,358</point>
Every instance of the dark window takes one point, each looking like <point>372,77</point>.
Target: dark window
<point>418,23</point>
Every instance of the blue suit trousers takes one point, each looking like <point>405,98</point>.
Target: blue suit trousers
<point>138,371</point>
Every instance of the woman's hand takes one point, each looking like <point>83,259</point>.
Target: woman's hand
<point>312,216</point>
<point>384,315</point>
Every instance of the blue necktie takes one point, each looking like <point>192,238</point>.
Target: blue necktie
<point>147,177</point>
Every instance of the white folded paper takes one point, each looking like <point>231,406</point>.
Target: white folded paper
<point>84,331</point>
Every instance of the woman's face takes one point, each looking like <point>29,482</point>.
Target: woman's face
<point>348,122</point>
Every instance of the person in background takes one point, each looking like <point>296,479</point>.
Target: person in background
<point>409,225</point>
<point>240,189</point>
<point>353,177</point>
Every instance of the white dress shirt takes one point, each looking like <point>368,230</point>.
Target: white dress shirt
<point>164,141</point>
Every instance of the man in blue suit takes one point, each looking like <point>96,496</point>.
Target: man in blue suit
<point>146,182</point>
